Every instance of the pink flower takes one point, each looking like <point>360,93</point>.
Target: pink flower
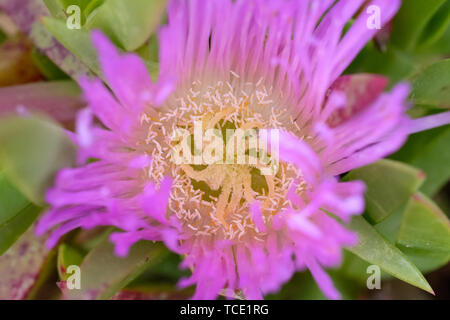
<point>247,63</point>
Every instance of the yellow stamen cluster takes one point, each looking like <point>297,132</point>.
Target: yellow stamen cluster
<point>215,198</point>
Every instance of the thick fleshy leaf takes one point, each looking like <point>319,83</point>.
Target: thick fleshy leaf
<point>437,26</point>
<point>21,267</point>
<point>90,7</point>
<point>389,185</point>
<point>411,21</point>
<point>58,8</point>
<point>59,100</point>
<point>12,229</point>
<point>389,227</point>
<point>128,23</point>
<point>375,249</point>
<point>424,233</point>
<point>356,268</point>
<point>27,15</point>
<point>46,66</point>
<point>11,200</point>
<point>3,36</point>
<point>432,85</point>
<point>430,152</point>
<point>103,274</point>
<point>32,150</point>
<point>63,58</point>
<point>360,91</point>
<point>441,47</point>
<point>78,42</point>
<point>16,214</point>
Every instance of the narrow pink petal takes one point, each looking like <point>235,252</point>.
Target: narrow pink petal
<point>126,74</point>
<point>429,122</point>
<point>323,280</point>
<point>359,34</point>
<point>154,202</point>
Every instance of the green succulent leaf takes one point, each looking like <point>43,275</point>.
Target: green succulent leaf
<point>424,233</point>
<point>13,228</point>
<point>441,47</point>
<point>58,8</point>
<point>389,227</point>
<point>389,186</point>
<point>93,5</point>
<point>16,214</point>
<point>103,274</point>
<point>32,150</point>
<point>356,268</point>
<point>3,36</point>
<point>432,85</point>
<point>437,26</point>
<point>411,20</point>
<point>376,250</point>
<point>46,66</point>
<point>12,201</point>
<point>129,23</point>
<point>78,42</point>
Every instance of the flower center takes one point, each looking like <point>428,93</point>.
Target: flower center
<point>209,141</point>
